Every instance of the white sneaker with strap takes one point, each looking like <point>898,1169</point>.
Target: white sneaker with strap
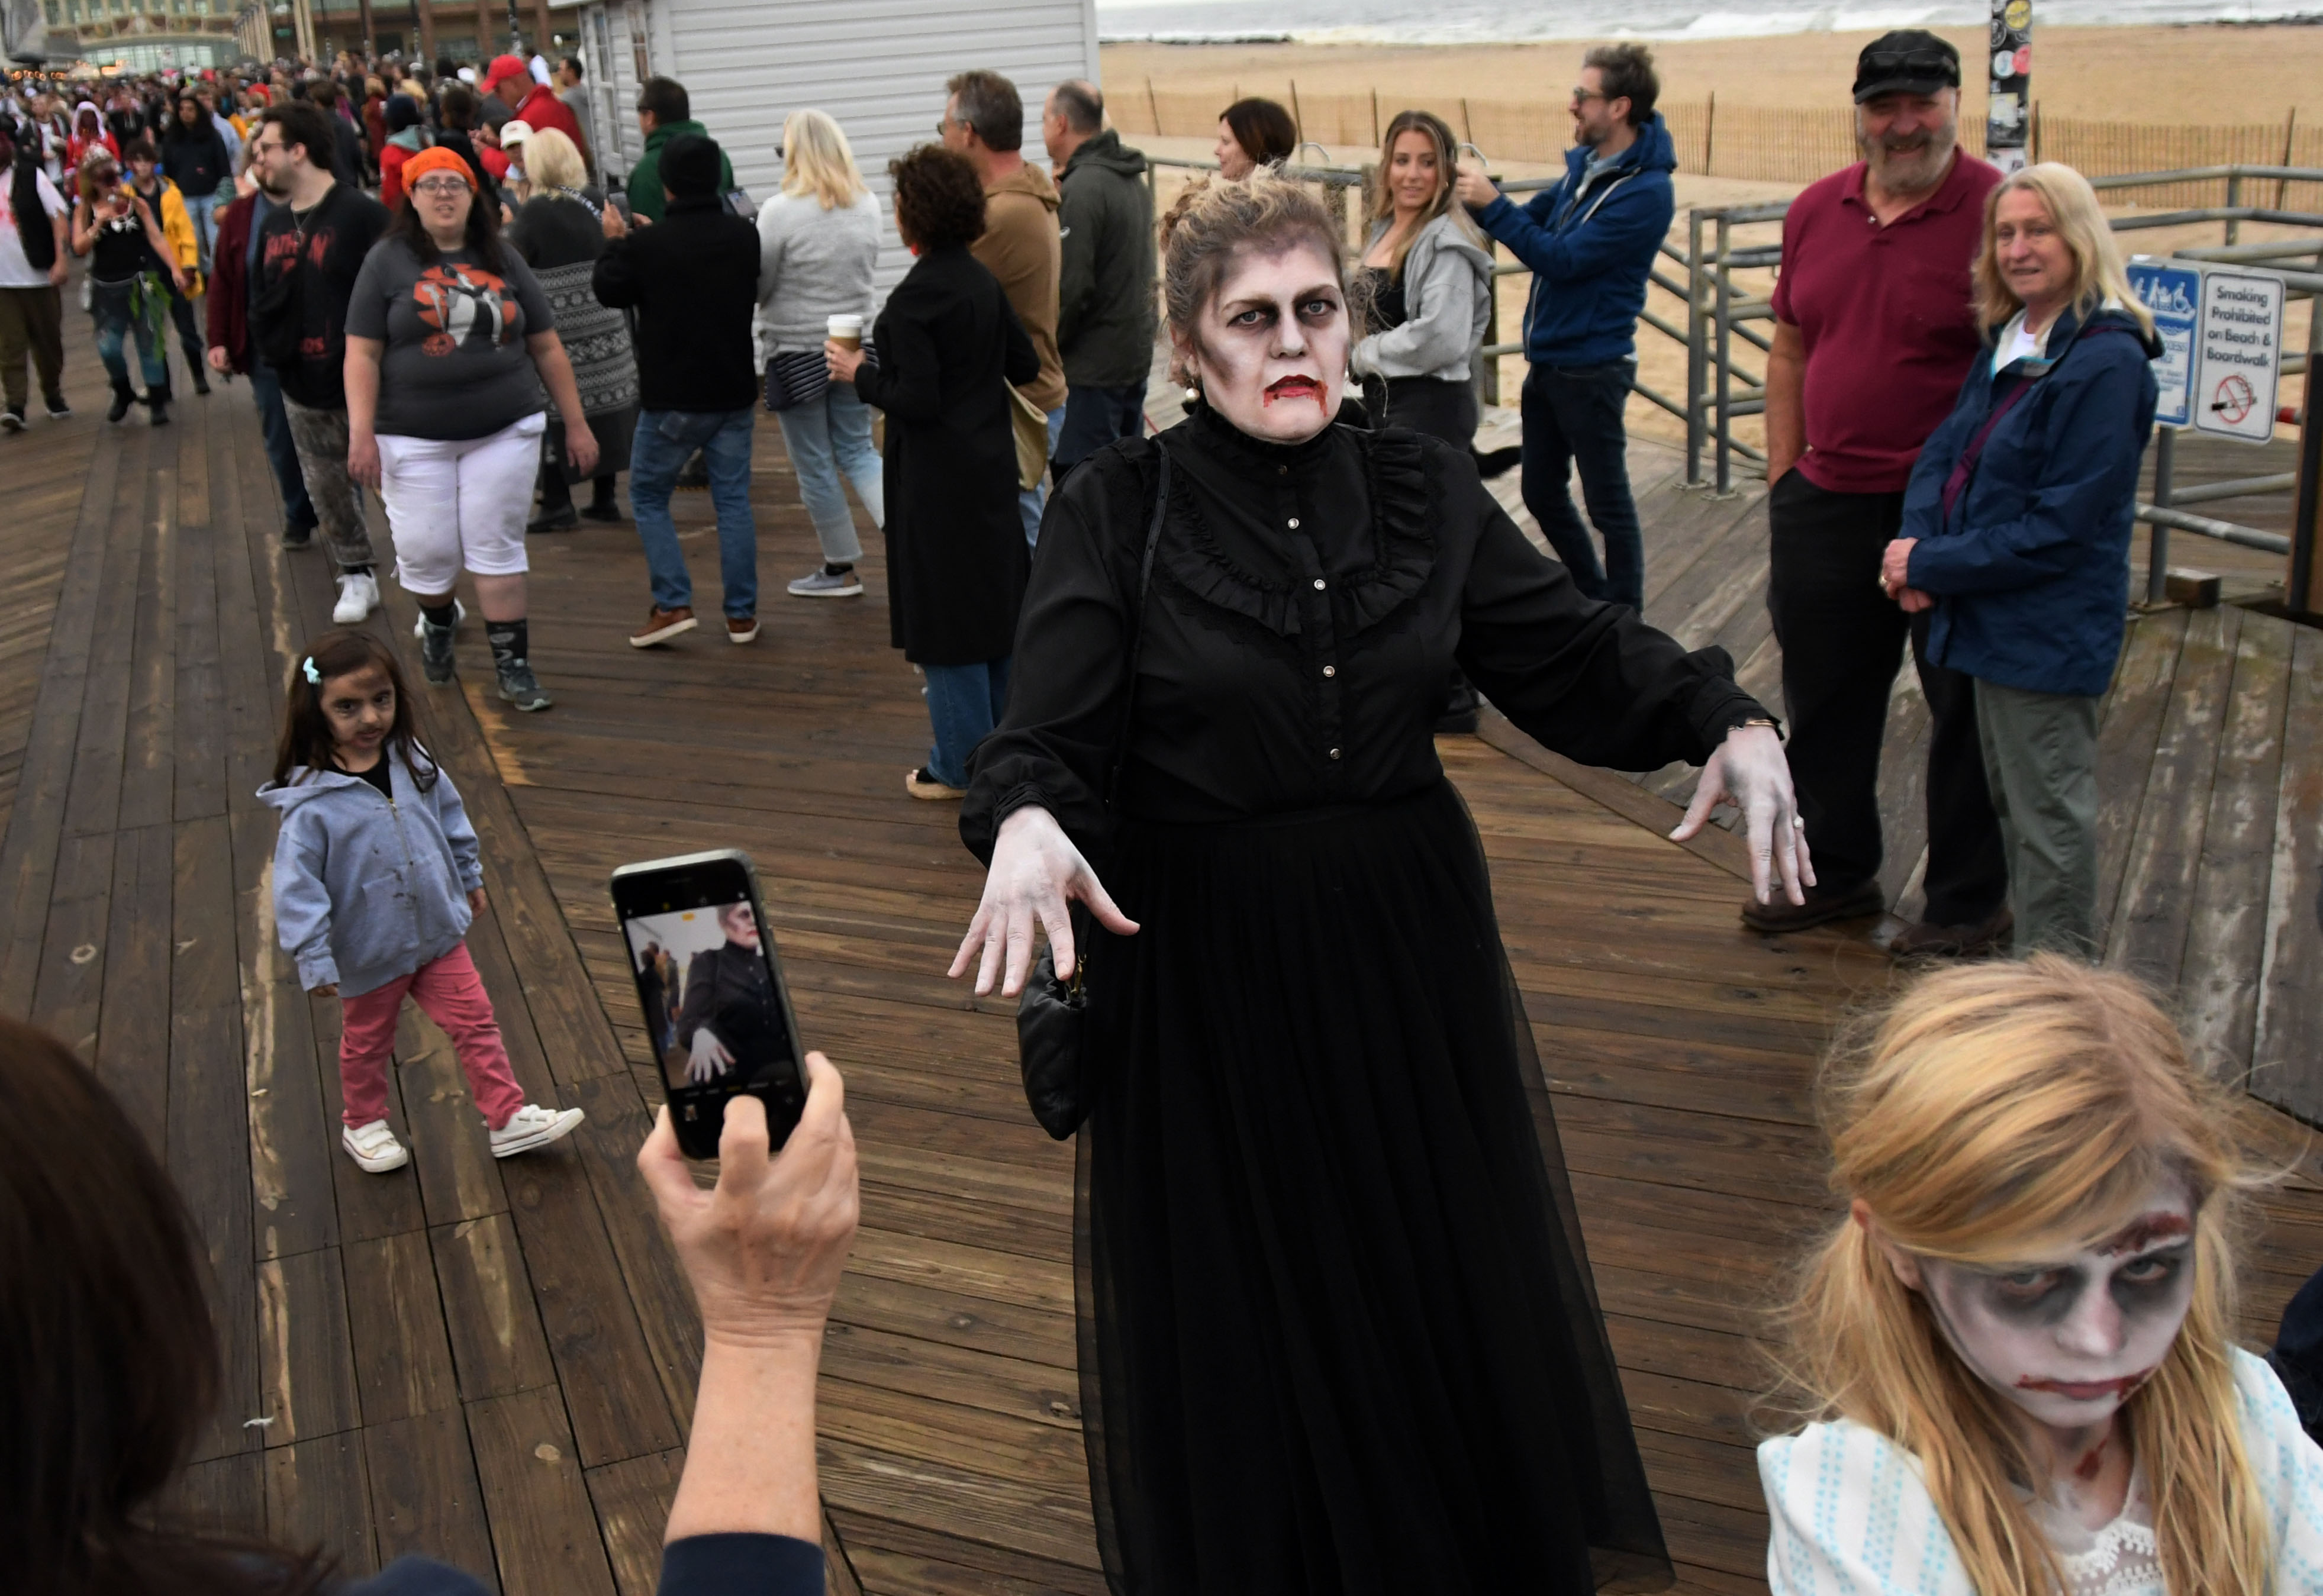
<point>533,1127</point>
<point>373,1147</point>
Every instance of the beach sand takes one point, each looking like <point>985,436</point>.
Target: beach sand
<point>2211,74</point>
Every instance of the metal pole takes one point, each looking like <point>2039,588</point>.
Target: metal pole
<point>1725,352</point>
<point>2012,84</point>
<point>2157,545</point>
<point>1490,377</point>
<point>1697,354</point>
<point>2234,198</point>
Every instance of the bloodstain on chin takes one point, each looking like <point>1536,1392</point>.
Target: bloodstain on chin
<point>2144,1232</point>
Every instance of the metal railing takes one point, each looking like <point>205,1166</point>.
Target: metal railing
<point>1721,389</point>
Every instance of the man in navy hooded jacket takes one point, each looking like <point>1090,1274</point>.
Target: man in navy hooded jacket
<point>1590,241</point>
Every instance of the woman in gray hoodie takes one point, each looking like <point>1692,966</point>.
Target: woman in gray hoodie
<point>1428,283</point>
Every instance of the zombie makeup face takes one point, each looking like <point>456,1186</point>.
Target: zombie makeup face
<point>2067,1338</point>
<point>1272,347</point>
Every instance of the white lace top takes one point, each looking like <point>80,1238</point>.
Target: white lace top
<point>1852,1518</point>
<point>2121,1559</point>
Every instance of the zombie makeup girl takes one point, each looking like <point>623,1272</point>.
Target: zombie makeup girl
<point>2015,1353</point>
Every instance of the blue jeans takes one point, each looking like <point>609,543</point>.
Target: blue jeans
<point>281,454</point>
<point>125,311</point>
<point>828,438</point>
<point>1094,418</point>
<point>665,441</point>
<point>965,703</point>
<point>201,209</point>
<point>1573,417</point>
<point>1029,501</point>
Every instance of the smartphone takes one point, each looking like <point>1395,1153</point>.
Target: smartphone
<point>718,1016</point>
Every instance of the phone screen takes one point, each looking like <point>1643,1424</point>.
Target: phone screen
<point>712,1013</point>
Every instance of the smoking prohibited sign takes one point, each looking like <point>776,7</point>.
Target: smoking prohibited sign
<point>2239,340</point>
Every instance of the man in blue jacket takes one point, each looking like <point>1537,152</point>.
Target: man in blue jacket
<point>1590,243</point>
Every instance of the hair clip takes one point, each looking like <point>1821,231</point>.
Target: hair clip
<point>313,675</point>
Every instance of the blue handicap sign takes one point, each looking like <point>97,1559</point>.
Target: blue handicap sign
<point>2174,294</point>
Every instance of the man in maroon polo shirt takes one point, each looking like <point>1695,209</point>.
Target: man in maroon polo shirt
<point>1873,335</point>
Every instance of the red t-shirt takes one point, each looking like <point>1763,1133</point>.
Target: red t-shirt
<point>1884,315</point>
<point>542,108</point>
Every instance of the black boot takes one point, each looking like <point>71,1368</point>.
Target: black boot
<point>157,400</point>
<point>603,505</point>
<point>124,395</point>
<point>201,381</point>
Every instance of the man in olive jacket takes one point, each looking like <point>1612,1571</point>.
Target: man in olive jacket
<point>984,120</point>
<point>1105,299</point>
<point>665,113</point>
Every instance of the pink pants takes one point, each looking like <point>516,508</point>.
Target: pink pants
<point>449,992</point>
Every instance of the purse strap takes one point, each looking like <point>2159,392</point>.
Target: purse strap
<point>1137,626</point>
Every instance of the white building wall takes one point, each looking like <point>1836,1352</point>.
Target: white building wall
<point>878,67</point>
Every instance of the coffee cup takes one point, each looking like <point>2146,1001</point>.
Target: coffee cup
<point>847,331</point>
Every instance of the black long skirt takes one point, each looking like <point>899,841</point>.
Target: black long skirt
<point>1338,1333</point>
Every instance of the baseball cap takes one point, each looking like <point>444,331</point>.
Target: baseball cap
<point>514,130</point>
<point>1908,60</point>
<point>506,67</point>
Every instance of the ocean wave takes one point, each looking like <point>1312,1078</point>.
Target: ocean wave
<point>1499,22</point>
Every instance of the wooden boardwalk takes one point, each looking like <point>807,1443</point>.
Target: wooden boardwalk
<point>494,1363</point>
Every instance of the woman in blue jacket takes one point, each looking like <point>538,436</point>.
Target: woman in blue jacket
<point>2016,529</point>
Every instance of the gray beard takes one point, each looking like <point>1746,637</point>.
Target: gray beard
<point>1910,173</point>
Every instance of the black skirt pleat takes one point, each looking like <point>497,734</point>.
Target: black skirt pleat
<point>1338,1329</point>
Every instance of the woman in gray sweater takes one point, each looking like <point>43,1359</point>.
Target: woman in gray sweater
<point>819,239</point>
<point>1429,282</point>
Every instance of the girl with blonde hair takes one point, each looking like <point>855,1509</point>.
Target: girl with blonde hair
<point>818,242</point>
<point>2016,1353</point>
<point>2015,532</point>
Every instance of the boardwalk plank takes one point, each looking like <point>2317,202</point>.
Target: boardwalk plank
<point>2286,1051</point>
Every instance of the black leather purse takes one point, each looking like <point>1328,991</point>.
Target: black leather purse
<point>1052,1016</point>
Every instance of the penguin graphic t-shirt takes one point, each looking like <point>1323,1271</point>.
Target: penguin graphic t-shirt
<point>455,365</point>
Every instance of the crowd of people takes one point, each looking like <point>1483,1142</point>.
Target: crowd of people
<point>1338,1332</point>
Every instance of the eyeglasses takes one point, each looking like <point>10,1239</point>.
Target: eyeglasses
<point>439,186</point>
<point>1581,97</point>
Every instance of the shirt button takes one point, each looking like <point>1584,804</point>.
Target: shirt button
<point>1294,523</point>
<point>1330,670</point>
<point>1335,753</point>
<point>1319,584</point>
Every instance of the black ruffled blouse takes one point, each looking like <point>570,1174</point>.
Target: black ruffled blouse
<point>1307,605</point>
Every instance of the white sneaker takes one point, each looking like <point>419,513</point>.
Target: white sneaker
<point>419,622</point>
<point>373,1147</point>
<point>358,597</point>
<point>534,1126</point>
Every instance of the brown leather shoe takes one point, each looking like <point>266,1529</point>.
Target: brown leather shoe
<point>1781,914</point>
<point>1989,936</point>
<point>741,628</point>
<point>662,625</point>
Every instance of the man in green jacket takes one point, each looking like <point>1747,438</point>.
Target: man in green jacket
<point>664,112</point>
<point>1104,293</point>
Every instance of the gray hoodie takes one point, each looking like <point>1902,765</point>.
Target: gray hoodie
<point>366,889</point>
<point>1447,301</point>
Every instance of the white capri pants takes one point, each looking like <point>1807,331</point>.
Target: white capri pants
<point>459,502</point>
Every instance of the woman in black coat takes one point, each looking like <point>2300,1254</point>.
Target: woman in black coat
<point>948,344</point>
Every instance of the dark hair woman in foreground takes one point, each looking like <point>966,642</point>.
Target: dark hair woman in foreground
<point>1339,1333</point>
<point>109,1367</point>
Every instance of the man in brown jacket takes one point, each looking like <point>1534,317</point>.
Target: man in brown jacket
<point>984,120</point>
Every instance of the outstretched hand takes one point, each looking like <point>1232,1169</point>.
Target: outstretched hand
<point>1036,872</point>
<point>1750,771</point>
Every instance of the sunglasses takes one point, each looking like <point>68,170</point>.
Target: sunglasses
<point>1911,63</point>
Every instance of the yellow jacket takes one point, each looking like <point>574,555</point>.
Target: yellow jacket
<point>183,243</point>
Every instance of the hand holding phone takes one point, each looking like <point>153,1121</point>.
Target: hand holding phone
<point>765,1247</point>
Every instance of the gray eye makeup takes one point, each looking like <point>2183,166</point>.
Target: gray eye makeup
<point>2141,1286</point>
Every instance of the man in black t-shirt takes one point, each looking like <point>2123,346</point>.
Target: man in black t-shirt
<point>310,248</point>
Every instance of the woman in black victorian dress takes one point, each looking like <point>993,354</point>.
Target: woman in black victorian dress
<point>1339,1334</point>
